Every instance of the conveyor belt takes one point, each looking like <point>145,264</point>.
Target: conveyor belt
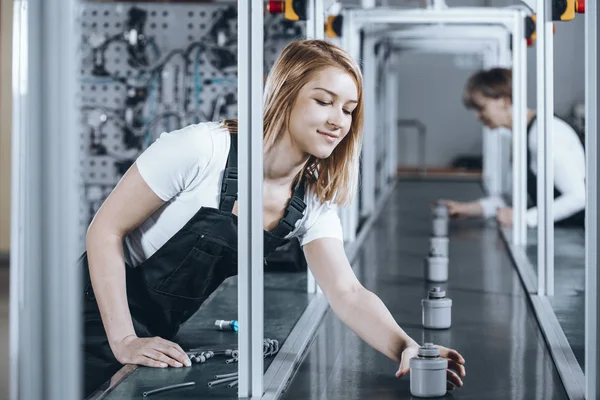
<point>568,301</point>
<point>494,326</point>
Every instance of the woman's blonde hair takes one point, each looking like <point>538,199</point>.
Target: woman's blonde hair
<point>334,178</point>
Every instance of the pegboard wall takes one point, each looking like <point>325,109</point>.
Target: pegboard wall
<point>148,68</point>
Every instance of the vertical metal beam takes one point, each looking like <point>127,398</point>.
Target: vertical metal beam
<point>314,30</point>
<point>315,24</point>
<point>369,143</point>
<point>61,195</point>
<point>45,191</point>
<point>592,278</point>
<point>492,171</point>
<point>545,169</point>
<point>506,60</point>
<point>250,228</point>
<point>26,256</point>
<point>519,131</point>
<point>349,214</point>
<point>392,115</point>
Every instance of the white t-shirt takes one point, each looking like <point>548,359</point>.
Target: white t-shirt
<point>185,169</point>
<point>569,174</point>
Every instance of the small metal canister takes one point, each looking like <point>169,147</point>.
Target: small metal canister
<point>439,227</point>
<point>437,310</point>
<point>428,372</point>
<point>436,269</point>
<point>438,246</point>
<point>440,210</point>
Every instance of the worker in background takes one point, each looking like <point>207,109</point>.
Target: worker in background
<point>489,93</point>
<point>166,237</point>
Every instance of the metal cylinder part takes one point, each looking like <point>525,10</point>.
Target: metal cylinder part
<point>440,227</point>
<point>438,246</point>
<point>437,310</point>
<point>440,210</point>
<point>428,372</point>
<point>436,269</point>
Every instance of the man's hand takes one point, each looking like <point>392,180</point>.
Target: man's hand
<point>505,216</point>
<point>463,209</point>
<point>456,369</point>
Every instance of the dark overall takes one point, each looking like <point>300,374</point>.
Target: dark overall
<point>169,287</point>
<point>577,219</point>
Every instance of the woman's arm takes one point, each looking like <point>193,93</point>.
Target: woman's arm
<point>364,312</point>
<point>131,202</point>
<point>357,307</point>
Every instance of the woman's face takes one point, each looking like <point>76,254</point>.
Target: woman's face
<point>322,112</point>
<point>493,113</point>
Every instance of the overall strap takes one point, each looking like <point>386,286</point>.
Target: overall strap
<point>531,177</point>
<point>229,187</point>
<point>229,191</point>
<point>293,212</point>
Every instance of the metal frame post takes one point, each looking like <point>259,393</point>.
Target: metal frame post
<point>392,117</point>
<point>493,158</point>
<point>45,191</point>
<point>314,30</point>
<point>519,130</point>
<point>491,54</point>
<point>369,142</point>
<point>492,173</point>
<point>513,20</point>
<point>592,278</point>
<point>382,133</point>
<point>250,225</point>
<point>349,214</point>
<point>545,167</point>
<point>316,22</point>
<point>463,16</point>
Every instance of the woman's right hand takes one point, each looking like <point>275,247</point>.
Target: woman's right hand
<point>152,352</point>
<point>463,209</point>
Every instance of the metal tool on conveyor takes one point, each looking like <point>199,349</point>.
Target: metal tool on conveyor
<point>437,310</point>
<point>168,388</point>
<point>428,372</point>
<point>227,325</point>
<point>439,227</point>
<point>436,269</point>
<point>438,246</point>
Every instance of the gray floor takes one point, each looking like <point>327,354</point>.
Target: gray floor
<point>568,301</point>
<point>493,324</point>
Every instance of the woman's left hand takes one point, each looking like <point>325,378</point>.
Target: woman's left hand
<point>456,369</point>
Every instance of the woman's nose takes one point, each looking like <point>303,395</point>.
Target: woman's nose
<point>336,118</point>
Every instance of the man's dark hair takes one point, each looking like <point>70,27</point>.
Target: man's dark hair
<point>495,83</point>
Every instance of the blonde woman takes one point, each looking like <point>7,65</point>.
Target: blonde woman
<point>172,220</point>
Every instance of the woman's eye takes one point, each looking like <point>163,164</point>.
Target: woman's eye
<point>347,112</point>
<point>322,103</point>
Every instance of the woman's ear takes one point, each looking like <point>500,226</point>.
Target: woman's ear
<point>507,102</point>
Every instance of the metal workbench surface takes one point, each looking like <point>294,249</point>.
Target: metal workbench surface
<point>493,325</point>
<point>285,300</point>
